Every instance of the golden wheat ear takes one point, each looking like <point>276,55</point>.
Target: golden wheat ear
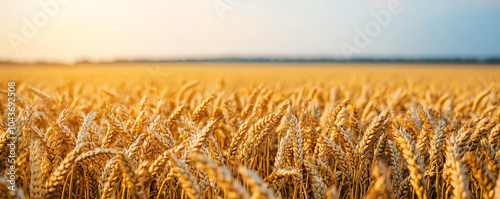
<point>482,174</point>
<point>497,188</point>
<point>381,187</point>
<point>454,170</point>
<point>5,191</point>
<point>414,161</point>
<point>187,179</point>
<point>222,176</point>
<point>259,188</point>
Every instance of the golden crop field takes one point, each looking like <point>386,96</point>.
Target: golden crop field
<point>237,131</point>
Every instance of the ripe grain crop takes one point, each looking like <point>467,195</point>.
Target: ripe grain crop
<point>254,132</point>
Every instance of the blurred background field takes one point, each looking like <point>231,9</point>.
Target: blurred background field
<point>237,74</point>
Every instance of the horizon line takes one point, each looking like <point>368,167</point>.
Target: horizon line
<point>457,60</point>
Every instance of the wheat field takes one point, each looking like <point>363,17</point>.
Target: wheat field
<point>252,131</point>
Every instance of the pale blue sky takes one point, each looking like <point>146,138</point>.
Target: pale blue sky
<point>103,30</point>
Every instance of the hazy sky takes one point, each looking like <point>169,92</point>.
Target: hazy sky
<point>97,30</point>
